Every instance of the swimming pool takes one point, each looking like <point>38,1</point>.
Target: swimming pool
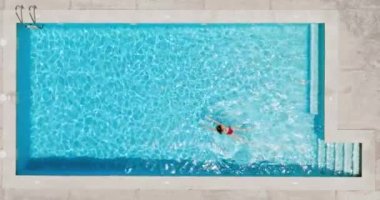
<point>123,99</point>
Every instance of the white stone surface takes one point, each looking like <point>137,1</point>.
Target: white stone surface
<point>41,4</point>
<point>20,194</point>
<point>169,194</point>
<point>378,161</point>
<point>301,195</point>
<point>103,195</point>
<point>236,195</point>
<point>238,4</point>
<point>356,4</point>
<point>103,4</point>
<point>3,42</point>
<point>359,48</point>
<point>1,24</point>
<point>1,140</point>
<point>1,82</point>
<point>359,39</point>
<point>170,4</point>
<point>3,154</point>
<point>303,4</point>
<point>357,195</point>
<point>359,99</point>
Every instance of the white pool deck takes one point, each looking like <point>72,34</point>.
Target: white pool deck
<point>352,97</point>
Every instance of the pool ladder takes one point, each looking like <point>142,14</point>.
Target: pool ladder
<point>32,15</point>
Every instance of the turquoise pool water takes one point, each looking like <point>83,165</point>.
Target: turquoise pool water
<point>133,99</point>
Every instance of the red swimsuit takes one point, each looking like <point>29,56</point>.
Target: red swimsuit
<point>230,131</point>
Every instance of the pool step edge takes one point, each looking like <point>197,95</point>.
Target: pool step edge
<point>339,158</point>
<point>314,67</point>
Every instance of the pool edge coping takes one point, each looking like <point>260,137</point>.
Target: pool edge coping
<point>332,133</point>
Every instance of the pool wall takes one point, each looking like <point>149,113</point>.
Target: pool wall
<point>332,133</point>
<point>23,119</point>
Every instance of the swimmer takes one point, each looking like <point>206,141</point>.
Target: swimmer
<point>223,129</point>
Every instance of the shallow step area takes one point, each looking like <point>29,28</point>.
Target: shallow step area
<point>339,158</point>
<point>314,68</point>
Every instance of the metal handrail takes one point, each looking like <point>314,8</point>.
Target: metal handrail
<point>33,17</point>
<point>20,17</point>
<point>32,14</point>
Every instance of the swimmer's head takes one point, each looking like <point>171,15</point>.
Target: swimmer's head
<point>219,128</point>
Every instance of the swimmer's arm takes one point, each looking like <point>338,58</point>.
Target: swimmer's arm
<point>208,128</point>
<point>216,122</point>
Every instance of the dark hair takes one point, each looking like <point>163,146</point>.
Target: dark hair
<point>219,128</point>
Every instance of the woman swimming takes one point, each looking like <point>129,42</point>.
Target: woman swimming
<point>221,128</point>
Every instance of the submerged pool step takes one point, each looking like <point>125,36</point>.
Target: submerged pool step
<point>339,158</point>
<point>330,156</point>
<point>356,159</point>
<point>314,68</point>
<point>348,162</point>
<point>321,154</point>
